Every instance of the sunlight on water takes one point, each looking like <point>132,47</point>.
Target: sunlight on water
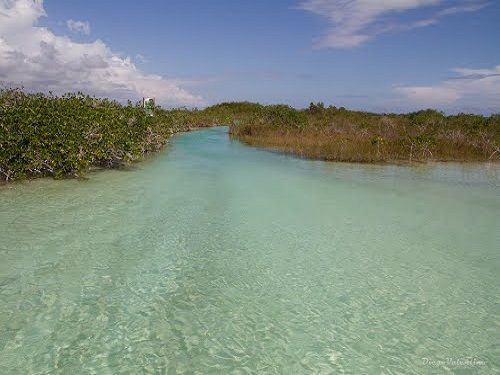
<point>215,257</point>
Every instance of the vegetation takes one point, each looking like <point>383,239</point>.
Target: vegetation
<point>47,135</point>
<point>65,136</point>
<point>338,134</point>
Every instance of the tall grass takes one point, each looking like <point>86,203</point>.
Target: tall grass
<point>338,134</point>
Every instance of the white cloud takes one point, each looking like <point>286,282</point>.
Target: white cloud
<point>480,87</point>
<point>141,58</point>
<point>463,8</point>
<point>82,27</point>
<point>431,95</point>
<point>38,59</point>
<point>354,22</point>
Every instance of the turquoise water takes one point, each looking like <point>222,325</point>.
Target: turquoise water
<point>215,257</point>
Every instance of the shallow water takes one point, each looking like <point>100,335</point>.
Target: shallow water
<point>215,257</point>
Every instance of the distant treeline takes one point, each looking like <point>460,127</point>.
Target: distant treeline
<point>66,136</point>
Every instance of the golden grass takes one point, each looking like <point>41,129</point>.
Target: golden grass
<point>358,137</point>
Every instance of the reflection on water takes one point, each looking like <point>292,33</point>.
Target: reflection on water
<point>215,257</point>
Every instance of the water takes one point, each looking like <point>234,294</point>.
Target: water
<point>215,257</point>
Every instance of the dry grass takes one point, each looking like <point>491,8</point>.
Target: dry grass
<point>341,135</point>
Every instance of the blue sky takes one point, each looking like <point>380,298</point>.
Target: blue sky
<point>391,55</point>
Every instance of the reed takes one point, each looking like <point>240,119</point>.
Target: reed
<point>341,135</point>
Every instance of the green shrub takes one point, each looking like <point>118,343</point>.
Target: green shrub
<point>65,136</point>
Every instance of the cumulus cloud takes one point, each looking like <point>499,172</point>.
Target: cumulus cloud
<point>354,22</point>
<point>479,86</point>
<point>36,58</point>
<point>82,27</point>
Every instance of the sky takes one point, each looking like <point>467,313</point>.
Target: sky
<point>374,55</point>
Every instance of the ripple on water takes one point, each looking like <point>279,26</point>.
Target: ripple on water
<point>219,258</point>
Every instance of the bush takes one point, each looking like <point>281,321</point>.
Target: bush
<point>64,136</point>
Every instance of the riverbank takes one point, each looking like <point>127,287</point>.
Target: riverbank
<point>337,134</point>
<point>66,136</point>
<point>45,135</point>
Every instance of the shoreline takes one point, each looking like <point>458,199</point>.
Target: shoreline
<point>333,134</point>
<point>101,168</point>
<point>68,136</point>
<point>399,162</point>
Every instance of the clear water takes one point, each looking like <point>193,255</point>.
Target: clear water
<point>215,257</point>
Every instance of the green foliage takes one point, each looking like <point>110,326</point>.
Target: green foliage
<point>65,136</point>
<point>316,108</point>
<point>426,117</point>
<point>283,116</point>
<point>233,112</point>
